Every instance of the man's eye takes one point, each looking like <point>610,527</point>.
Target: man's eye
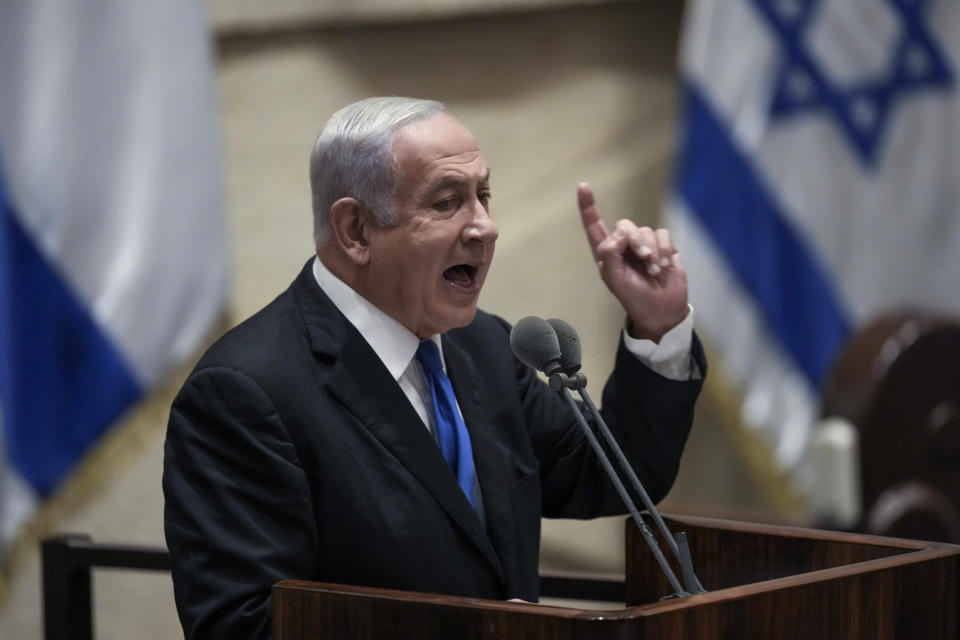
<point>444,205</point>
<point>484,197</point>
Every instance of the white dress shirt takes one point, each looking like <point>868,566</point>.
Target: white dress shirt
<point>396,346</point>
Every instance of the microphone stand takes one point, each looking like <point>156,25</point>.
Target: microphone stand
<point>562,383</point>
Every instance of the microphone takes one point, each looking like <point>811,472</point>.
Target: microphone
<point>569,345</point>
<point>553,347</point>
<point>535,344</point>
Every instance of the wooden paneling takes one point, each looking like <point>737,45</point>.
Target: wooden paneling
<point>775,582</point>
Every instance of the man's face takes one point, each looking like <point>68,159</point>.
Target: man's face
<point>427,270</point>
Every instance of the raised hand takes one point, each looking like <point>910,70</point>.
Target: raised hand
<point>640,266</point>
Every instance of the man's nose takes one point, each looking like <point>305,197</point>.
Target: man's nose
<point>482,228</point>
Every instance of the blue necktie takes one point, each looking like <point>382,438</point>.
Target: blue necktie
<point>451,431</point>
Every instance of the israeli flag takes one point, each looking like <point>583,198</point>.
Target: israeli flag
<point>112,241</point>
<point>817,185</point>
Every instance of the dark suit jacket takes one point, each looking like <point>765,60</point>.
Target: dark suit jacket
<point>292,453</point>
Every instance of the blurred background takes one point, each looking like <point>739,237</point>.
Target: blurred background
<point>154,192</point>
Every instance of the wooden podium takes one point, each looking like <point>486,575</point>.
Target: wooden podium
<point>763,581</point>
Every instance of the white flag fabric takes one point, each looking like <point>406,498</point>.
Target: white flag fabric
<point>817,185</point>
<point>112,234</point>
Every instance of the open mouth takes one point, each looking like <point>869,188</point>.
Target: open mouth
<point>462,275</point>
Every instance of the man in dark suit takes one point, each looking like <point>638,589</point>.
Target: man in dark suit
<point>305,442</point>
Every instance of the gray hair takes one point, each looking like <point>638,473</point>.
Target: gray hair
<point>353,157</point>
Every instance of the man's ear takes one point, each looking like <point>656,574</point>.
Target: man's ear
<point>348,227</point>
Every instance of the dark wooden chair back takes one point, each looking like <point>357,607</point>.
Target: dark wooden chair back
<point>898,382</point>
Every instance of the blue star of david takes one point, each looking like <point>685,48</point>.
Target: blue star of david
<point>861,108</point>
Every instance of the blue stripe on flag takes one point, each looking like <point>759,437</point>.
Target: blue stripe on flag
<point>768,256</point>
<point>61,381</point>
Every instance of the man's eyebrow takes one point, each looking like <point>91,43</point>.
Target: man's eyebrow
<point>455,181</point>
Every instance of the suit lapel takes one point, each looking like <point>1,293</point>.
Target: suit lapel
<point>490,460</point>
<point>387,413</point>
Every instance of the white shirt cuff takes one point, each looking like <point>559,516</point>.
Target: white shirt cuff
<point>670,357</point>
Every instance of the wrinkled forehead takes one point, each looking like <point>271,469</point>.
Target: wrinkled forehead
<point>437,136</point>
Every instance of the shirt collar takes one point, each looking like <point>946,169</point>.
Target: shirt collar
<point>393,343</point>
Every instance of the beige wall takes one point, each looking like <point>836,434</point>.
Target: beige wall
<point>258,15</point>
<point>554,97</point>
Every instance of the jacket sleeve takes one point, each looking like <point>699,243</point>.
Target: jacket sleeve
<point>648,414</point>
<point>238,513</point>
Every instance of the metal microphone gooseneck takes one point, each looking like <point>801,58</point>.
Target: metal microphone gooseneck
<point>553,347</point>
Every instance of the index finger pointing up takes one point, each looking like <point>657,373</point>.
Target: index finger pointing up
<point>592,223</point>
